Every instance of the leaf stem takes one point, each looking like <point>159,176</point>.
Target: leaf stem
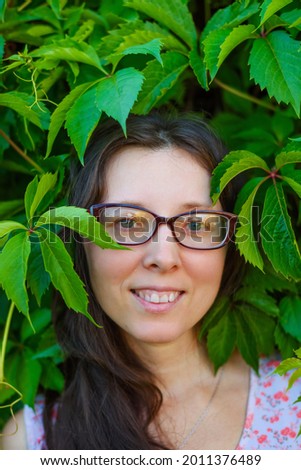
<point>20,152</point>
<point>243,95</point>
<point>4,341</point>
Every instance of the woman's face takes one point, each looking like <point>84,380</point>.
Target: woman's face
<point>168,182</point>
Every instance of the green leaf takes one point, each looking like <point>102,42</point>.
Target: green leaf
<point>295,376</point>
<point>290,316</point>
<point>158,80</point>
<point>246,341</point>
<point>285,342</point>
<point>270,7</point>
<point>116,95</point>
<point>217,311</point>
<point>36,190</point>
<point>258,299</point>
<point>13,268</point>
<point>56,6</point>
<point>69,50</point>
<point>197,64</point>
<point>245,192</point>
<point>79,220</point>
<point>9,208</point>
<point>59,265</point>
<point>285,158</point>
<point>2,9</point>
<point>287,365</point>
<point>81,120</point>
<point>212,48</point>
<point>25,105</point>
<point>262,327</point>
<point>2,42</point>
<point>38,280</point>
<point>52,378</point>
<point>221,340</point>
<point>293,184</point>
<point>29,377</point>
<point>59,115</point>
<point>280,55</point>
<point>152,47</point>
<point>220,43</point>
<point>282,251</point>
<point>229,17</point>
<point>232,165</point>
<point>236,37</point>
<point>174,14</point>
<point>7,226</point>
<point>292,18</point>
<point>40,318</point>
<point>244,237</point>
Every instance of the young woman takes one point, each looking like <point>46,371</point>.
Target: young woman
<point>144,381</point>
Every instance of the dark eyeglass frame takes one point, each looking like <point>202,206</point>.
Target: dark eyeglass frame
<point>159,219</point>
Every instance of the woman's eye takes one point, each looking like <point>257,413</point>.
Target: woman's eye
<point>195,226</point>
<point>126,223</point>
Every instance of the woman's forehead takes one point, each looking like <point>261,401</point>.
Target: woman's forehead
<point>166,174</point>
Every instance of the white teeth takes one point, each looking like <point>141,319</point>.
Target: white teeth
<point>156,297</point>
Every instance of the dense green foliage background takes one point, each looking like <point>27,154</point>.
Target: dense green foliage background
<point>66,65</point>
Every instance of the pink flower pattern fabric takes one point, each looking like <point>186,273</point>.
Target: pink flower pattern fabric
<point>272,420</point>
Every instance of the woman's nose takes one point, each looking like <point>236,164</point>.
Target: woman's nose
<point>162,251</point>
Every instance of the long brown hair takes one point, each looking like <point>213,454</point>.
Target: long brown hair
<point>110,398</point>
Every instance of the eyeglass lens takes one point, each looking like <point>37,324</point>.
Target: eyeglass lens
<point>131,226</point>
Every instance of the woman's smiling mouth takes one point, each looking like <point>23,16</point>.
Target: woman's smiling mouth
<point>157,300</point>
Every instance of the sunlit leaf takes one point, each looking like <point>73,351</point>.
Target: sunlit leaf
<point>287,365</point>
<point>80,221</point>
<point>270,7</point>
<point>69,50</point>
<point>7,226</point>
<point>116,95</point>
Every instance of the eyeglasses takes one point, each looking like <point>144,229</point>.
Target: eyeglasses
<point>197,229</point>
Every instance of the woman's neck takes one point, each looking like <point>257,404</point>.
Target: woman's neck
<point>177,364</point>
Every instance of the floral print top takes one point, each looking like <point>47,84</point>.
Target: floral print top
<point>272,419</point>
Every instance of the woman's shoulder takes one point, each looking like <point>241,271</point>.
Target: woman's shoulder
<point>13,435</point>
<point>25,430</point>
